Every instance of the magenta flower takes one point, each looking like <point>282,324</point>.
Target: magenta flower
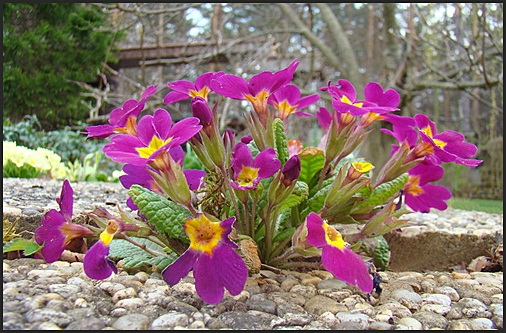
<point>122,120</point>
<point>155,133</point>
<point>96,264</point>
<point>216,266</point>
<point>56,229</point>
<point>184,89</point>
<point>259,88</point>
<point>287,101</point>
<point>419,194</point>
<point>376,100</point>
<point>449,146</point>
<point>248,171</point>
<point>402,129</point>
<point>337,258</point>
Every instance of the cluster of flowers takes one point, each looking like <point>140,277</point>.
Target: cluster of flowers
<point>23,162</point>
<point>255,178</point>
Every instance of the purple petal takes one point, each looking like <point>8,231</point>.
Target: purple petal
<point>427,172</point>
<point>162,123</point>
<point>173,273</point>
<point>267,163</point>
<point>324,118</point>
<point>182,86</point>
<point>66,200</point>
<point>456,145</point>
<point>50,235</point>
<point>207,280</point>
<point>99,131</point>
<point>194,178</point>
<point>373,92</point>
<point>348,266</point>
<point>433,196</point>
<point>175,96</point>
<point>145,130</point>
<point>315,232</point>
<point>230,86</point>
<point>343,88</point>
<point>241,155</point>
<point>96,264</point>
<point>205,79</point>
<point>136,174</point>
<point>283,76</point>
<point>233,270</point>
<point>227,225</point>
<point>177,154</point>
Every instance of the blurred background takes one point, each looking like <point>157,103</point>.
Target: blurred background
<point>67,65</point>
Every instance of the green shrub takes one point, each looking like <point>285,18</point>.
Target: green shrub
<point>47,49</point>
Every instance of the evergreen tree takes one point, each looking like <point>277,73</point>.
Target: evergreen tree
<point>47,47</point>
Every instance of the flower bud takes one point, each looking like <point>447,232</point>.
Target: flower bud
<point>291,171</point>
<point>201,110</point>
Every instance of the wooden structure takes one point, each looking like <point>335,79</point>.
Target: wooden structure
<point>179,53</point>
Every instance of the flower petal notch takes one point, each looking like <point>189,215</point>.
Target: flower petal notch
<point>216,266</point>
<point>337,258</point>
<point>248,171</point>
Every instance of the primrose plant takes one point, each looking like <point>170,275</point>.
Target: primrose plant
<point>296,205</point>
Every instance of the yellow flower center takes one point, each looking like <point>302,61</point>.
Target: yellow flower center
<point>204,92</point>
<point>427,130</point>
<point>439,143</point>
<point>259,101</point>
<point>247,176</point>
<point>346,100</point>
<point>285,109</point>
<point>155,144</point>
<point>333,236</point>
<point>204,235</point>
<point>413,186</point>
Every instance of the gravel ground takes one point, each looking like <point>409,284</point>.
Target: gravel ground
<point>40,296</point>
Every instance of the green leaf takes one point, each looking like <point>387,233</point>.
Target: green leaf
<point>316,202</point>
<point>166,215</point>
<point>27,246</point>
<point>385,191</point>
<point>299,194</point>
<point>381,256</point>
<point>280,140</point>
<point>133,258</point>
<point>284,234</point>
<point>311,162</point>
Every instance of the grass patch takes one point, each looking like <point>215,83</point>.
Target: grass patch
<point>482,205</point>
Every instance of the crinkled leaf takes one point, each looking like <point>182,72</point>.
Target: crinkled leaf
<point>311,162</point>
<point>166,215</point>
<point>27,246</point>
<point>381,255</point>
<point>133,258</point>
<point>316,202</point>
<point>284,234</point>
<point>280,140</point>
<point>385,191</point>
<point>299,193</point>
